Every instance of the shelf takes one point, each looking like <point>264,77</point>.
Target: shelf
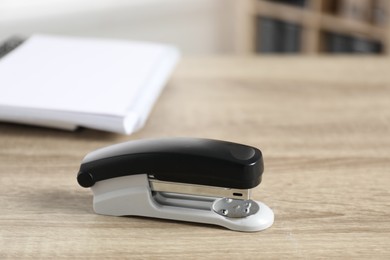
<point>286,13</point>
<point>315,18</point>
<point>352,27</point>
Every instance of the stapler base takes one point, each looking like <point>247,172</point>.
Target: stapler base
<point>132,196</point>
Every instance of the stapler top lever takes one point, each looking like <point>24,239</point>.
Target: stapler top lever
<point>190,179</point>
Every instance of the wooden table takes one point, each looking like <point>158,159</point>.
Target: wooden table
<point>323,125</point>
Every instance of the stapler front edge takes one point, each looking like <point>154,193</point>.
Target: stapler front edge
<point>187,179</point>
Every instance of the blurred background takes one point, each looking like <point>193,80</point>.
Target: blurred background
<point>213,26</point>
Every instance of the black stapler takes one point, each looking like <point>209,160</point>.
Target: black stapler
<point>188,179</point>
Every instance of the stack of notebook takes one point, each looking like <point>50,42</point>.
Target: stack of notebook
<point>67,82</point>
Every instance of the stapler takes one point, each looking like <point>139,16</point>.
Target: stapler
<point>186,179</point>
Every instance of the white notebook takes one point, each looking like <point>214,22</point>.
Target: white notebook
<point>66,82</point>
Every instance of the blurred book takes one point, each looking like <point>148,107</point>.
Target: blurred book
<point>67,82</point>
<point>380,12</point>
<point>277,36</point>
<point>355,9</point>
<point>268,35</point>
<point>300,3</point>
<point>291,37</point>
<point>340,43</point>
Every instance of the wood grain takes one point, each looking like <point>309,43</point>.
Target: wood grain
<point>323,125</point>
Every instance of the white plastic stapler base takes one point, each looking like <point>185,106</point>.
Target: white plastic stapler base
<point>132,196</point>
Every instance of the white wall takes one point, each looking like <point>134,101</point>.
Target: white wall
<point>195,26</point>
